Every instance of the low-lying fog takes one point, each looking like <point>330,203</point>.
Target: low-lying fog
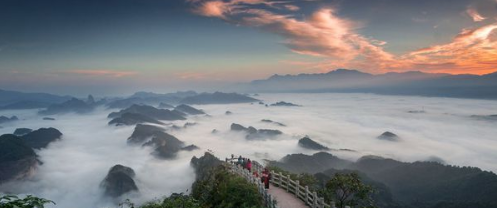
<point>74,167</point>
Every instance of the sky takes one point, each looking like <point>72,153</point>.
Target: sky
<point>109,46</point>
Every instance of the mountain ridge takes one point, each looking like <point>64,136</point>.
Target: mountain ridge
<point>391,83</point>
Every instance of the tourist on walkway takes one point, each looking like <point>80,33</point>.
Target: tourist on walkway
<point>249,165</point>
<point>240,160</point>
<point>266,177</point>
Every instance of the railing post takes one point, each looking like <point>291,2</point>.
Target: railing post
<point>297,189</point>
<point>315,200</point>
<point>281,179</point>
<point>306,195</point>
<point>288,183</point>
<point>332,204</point>
<point>321,202</point>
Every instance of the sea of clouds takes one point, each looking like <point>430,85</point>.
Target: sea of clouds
<point>74,166</point>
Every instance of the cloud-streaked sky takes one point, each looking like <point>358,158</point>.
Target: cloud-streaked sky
<point>62,46</point>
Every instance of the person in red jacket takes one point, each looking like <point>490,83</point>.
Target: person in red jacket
<point>249,165</point>
<point>266,177</point>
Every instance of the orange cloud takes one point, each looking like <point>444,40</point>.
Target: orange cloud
<point>335,39</point>
<point>212,9</point>
<point>470,51</point>
<point>475,15</point>
<point>291,7</point>
<point>108,73</point>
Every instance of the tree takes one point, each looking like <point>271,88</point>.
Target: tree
<point>347,189</point>
<point>219,188</point>
<point>13,201</point>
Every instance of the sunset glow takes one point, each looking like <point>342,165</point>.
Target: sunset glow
<point>164,44</point>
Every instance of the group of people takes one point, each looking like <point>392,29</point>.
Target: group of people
<point>246,163</point>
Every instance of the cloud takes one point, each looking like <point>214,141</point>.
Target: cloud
<point>107,73</point>
<point>73,167</point>
<point>292,7</point>
<point>470,50</point>
<point>337,41</point>
<point>322,34</point>
<point>473,13</point>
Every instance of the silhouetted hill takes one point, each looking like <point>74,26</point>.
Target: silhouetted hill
<point>5,119</point>
<point>17,159</point>
<point>149,111</point>
<point>407,83</point>
<point>71,106</point>
<point>10,98</point>
<point>432,183</point>
<point>308,143</point>
<point>22,131</point>
<point>300,163</point>
<point>203,164</point>
<point>188,110</point>
<point>149,98</point>
<point>42,137</point>
<point>218,98</point>
<point>253,133</point>
<point>132,119</point>
<point>166,146</point>
<point>119,181</point>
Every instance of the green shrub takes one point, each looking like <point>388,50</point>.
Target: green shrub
<point>12,201</point>
<point>222,189</point>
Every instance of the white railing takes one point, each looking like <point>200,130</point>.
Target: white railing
<point>310,198</point>
<point>249,176</point>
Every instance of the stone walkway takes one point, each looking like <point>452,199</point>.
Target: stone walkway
<point>285,199</point>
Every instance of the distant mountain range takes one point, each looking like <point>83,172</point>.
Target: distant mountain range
<point>55,104</point>
<point>406,83</point>
<point>24,100</point>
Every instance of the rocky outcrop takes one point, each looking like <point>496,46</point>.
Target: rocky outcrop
<point>119,181</point>
<point>308,143</point>
<point>17,159</point>
<point>300,163</point>
<point>218,98</point>
<point>272,122</point>
<point>228,113</point>
<point>5,119</point>
<point>90,100</point>
<point>388,136</point>
<point>237,127</point>
<point>188,110</point>
<point>190,148</point>
<point>22,131</point>
<point>132,119</point>
<point>189,124</point>
<point>143,133</point>
<point>149,111</point>
<point>283,103</point>
<point>42,137</point>
<point>253,133</point>
<point>71,106</point>
<point>165,146</point>
<point>203,164</point>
